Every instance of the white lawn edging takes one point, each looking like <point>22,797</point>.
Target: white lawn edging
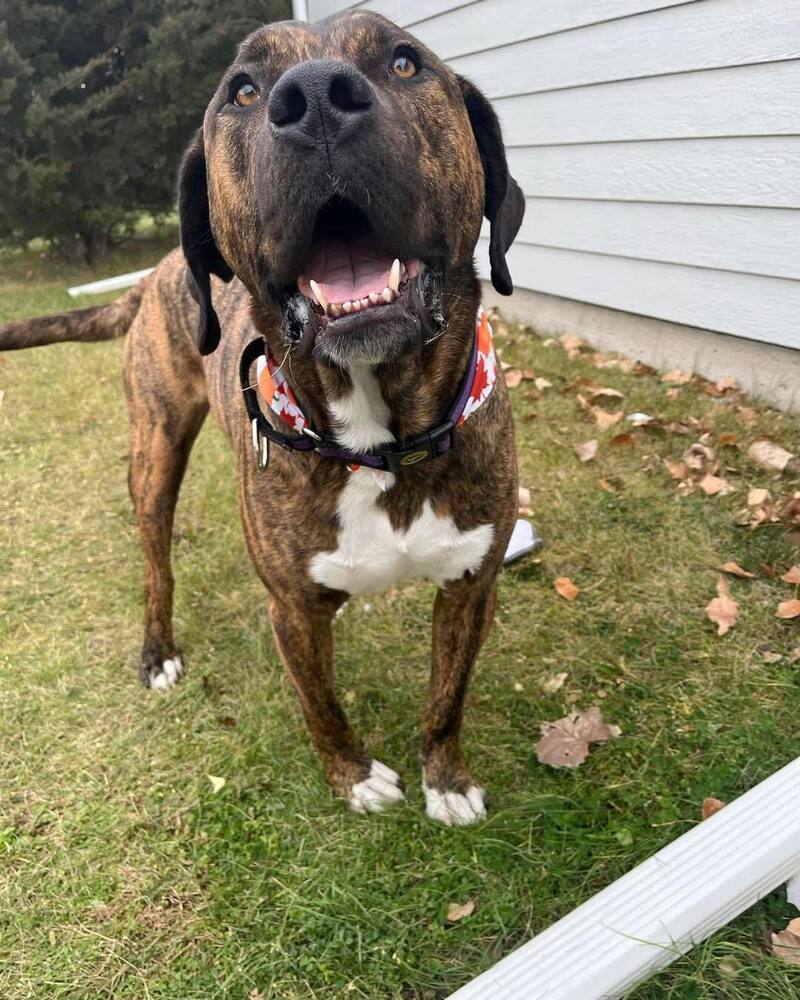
<point>664,907</point>
<point>109,284</point>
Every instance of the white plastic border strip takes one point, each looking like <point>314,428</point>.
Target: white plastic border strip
<point>664,907</point>
<point>109,284</point>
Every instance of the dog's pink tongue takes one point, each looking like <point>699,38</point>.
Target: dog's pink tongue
<point>347,269</point>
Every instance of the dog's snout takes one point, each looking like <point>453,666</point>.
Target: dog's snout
<point>320,102</point>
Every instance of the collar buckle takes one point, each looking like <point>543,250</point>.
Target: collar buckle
<point>430,444</point>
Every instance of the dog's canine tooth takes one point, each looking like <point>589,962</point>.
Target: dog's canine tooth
<point>318,294</point>
<point>387,295</point>
<point>394,276</point>
<point>347,307</point>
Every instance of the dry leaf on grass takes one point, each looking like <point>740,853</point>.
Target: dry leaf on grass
<point>757,496</point>
<point>786,943</point>
<point>542,384</point>
<point>736,570</point>
<point>723,610</point>
<point>603,392</point>
<point>678,470</point>
<point>768,655</point>
<point>770,456</point>
<point>711,806</point>
<point>794,656</point>
<point>698,457</point>
<point>572,344</point>
<point>605,420</point>
<point>788,609</point>
<point>586,451</point>
<point>623,441</point>
<point>513,377</point>
<point>714,486</point>
<point>676,377</point>
<point>217,784</point>
<point>565,743</point>
<point>566,588</point>
<point>554,683</point>
<point>457,911</point>
<point>792,575</point>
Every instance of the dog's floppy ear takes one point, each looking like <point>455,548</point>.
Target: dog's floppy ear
<point>504,203</point>
<point>199,248</point>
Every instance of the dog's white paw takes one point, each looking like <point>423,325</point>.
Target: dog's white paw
<point>168,676</point>
<point>379,790</point>
<point>453,808</point>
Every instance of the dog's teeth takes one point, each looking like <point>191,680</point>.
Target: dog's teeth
<point>347,307</point>
<point>374,298</point>
<point>364,303</point>
<point>402,268</point>
<point>335,310</point>
<point>318,294</point>
<point>356,304</point>
<point>387,295</point>
<point>394,276</point>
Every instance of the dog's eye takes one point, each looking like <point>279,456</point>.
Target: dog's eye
<point>404,64</point>
<point>246,94</point>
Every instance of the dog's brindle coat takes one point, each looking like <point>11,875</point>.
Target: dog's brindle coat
<point>423,159</point>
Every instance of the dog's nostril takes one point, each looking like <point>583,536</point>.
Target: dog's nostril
<point>347,94</point>
<point>288,106</point>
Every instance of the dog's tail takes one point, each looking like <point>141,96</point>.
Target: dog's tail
<point>86,325</point>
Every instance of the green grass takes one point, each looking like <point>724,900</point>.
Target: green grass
<point>122,874</point>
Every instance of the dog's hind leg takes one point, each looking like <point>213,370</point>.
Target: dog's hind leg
<point>462,616</point>
<point>167,404</point>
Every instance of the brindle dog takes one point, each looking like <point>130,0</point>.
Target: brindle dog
<point>344,133</point>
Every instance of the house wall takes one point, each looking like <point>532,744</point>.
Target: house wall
<point>657,143</point>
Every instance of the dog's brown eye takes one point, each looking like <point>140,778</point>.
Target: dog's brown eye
<point>404,66</point>
<point>246,95</point>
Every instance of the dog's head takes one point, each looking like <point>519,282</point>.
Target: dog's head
<point>342,174</point>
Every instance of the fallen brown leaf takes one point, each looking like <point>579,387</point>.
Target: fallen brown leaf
<point>566,588</point>
<point>794,656</point>
<point>747,416</point>
<point>792,575</point>
<point>571,344</point>
<point>714,486</point>
<point>513,377</point>
<point>711,806</point>
<point>757,496</point>
<point>623,441</point>
<point>542,384</point>
<point>698,457</point>
<point>554,683</point>
<point>676,377</point>
<point>565,743</point>
<point>678,470</point>
<point>586,451</point>
<point>605,420</point>
<point>736,570</point>
<point>770,456</point>
<point>786,943</point>
<point>457,911</point>
<point>603,392</point>
<point>728,440</point>
<point>788,609</point>
<point>606,486</point>
<point>768,655</point>
<point>723,610</point>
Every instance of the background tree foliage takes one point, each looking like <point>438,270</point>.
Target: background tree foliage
<point>97,100</point>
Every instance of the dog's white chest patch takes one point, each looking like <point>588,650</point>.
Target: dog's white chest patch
<point>370,554</point>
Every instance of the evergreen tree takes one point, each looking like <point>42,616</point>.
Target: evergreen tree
<point>97,100</point>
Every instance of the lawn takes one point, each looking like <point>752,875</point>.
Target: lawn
<point>124,874</point>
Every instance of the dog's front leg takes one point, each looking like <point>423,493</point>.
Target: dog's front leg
<point>304,637</point>
<point>462,616</point>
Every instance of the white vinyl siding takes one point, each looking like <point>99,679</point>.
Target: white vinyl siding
<point>657,143</point>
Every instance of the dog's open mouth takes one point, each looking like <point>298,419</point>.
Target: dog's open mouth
<point>358,300</point>
<point>347,271</point>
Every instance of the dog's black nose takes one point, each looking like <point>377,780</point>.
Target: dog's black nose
<point>321,102</point>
